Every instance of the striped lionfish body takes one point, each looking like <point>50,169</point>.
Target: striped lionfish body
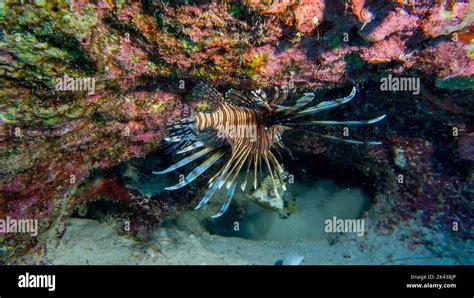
<point>245,131</point>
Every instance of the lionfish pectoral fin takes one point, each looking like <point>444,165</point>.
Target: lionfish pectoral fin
<point>168,146</point>
<point>243,185</point>
<point>217,181</point>
<point>270,173</point>
<point>191,147</point>
<point>279,169</point>
<point>221,173</point>
<point>198,171</point>
<point>249,162</point>
<point>300,103</point>
<point>325,105</point>
<point>255,166</point>
<point>332,122</point>
<point>212,189</point>
<point>349,140</point>
<point>225,206</point>
<point>237,167</point>
<point>304,100</point>
<point>232,184</point>
<point>185,161</point>
<point>235,160</point>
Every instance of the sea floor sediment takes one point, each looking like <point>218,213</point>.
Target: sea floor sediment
<point>90,242</point>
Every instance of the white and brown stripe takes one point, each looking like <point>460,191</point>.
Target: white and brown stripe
<point>241,126</point>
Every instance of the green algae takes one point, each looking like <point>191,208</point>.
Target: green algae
<point>46,43</point>
<point>457,82</point>
<point>237,9</point>
<point>335,42</point>
<point>354,62</point>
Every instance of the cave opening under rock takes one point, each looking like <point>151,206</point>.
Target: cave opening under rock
<point>321,188</point>
<point>321,193</point>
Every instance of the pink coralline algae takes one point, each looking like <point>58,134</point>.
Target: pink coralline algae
<point>144,55</point>
<point>393,22</point>
<point>390,49</point>
<point>308,15</point>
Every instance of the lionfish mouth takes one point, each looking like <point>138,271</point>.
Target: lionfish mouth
<point>243,129</point>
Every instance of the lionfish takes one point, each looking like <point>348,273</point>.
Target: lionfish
<point>244,129</point>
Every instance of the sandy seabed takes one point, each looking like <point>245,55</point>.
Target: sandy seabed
<point>90,242</point>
